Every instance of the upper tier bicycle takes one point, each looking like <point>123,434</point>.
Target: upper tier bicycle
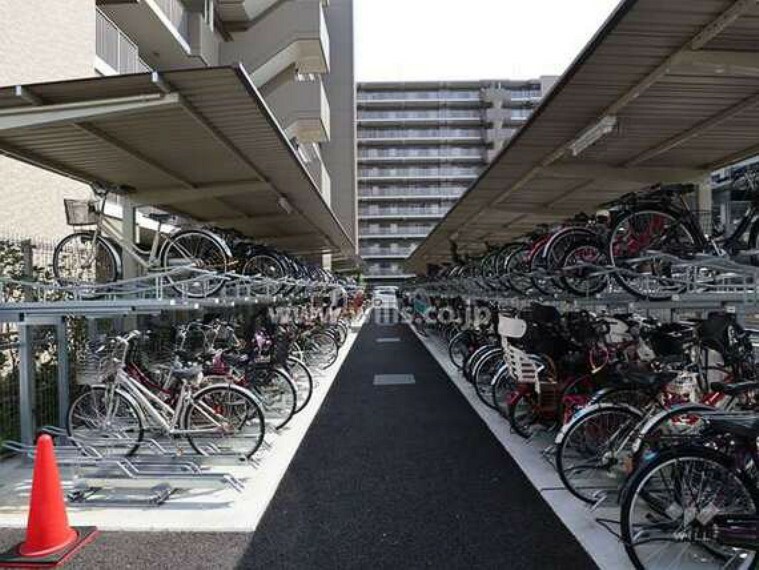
<point>655,228</point>
<point>195,259</point>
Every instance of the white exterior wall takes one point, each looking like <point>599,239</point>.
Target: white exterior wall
<point>41,40</point>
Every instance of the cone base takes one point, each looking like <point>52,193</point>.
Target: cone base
<point>14,559</point>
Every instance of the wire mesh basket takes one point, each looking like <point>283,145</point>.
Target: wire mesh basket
<point>101,363</point>
<point>81,212</point>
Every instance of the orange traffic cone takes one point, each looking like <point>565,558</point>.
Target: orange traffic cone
<point>50,541</point>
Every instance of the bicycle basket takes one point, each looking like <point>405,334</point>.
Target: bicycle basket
<point>80,212</point>
<point>100,365</point>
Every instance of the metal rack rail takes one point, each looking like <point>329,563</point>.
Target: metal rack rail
<point>711,283</point>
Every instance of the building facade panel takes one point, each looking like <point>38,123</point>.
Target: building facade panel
<point>285,44</point>
<point>42,41</point>
<point>420,146</point>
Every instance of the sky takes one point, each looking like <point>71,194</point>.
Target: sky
<point>407,40</point>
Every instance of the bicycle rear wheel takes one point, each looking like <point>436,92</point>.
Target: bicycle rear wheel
<point>197,261</point>
<point>303,380</point>
<point>224,418</point>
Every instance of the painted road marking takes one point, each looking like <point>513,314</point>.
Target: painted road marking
<point>393,379</point>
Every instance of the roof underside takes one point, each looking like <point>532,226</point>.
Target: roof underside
<point>681,79</point>
<point>199,142</point>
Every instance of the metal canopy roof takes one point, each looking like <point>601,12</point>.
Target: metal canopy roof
<point>198,142</point>
<point>665,92</point>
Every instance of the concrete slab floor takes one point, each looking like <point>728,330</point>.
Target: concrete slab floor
<point>198,510</point>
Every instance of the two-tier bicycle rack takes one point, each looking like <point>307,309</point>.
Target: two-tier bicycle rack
<point>730,286</point>
<point>161,469</point>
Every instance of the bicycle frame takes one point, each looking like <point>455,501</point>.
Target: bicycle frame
<point>163,415</point>
<point>148,259</point>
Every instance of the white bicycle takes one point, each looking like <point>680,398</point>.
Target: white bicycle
<point>220,417</point>
<point>195,260</point>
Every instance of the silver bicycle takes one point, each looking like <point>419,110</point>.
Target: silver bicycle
<point>195,260</point>
<point>216,418</point>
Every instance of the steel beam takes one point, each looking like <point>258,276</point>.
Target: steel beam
<point>719,62</point>
<point>689,134</point>
<point>81,111</point>
<point>174,195</point>
<point>644,175</point>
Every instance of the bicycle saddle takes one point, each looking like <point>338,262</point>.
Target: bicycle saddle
<point>235,359</point>
<point>159,217</point>
<point>646,378</point>
<point>742,427</point>
<point>187,373</point>
<point>734,389</point>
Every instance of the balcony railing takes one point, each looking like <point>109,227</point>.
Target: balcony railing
<point>386,252</point>
<point>441,192</point>
<point>437,95</point>
<point>389,212</point>
<point>407,230</point>
<point>115,48</point>
<point>177,14</point>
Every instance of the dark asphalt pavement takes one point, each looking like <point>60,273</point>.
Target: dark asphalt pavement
<point>404,476</point>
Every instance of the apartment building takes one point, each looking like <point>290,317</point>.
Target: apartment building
<point>420,146</point>
<point>287,47</point>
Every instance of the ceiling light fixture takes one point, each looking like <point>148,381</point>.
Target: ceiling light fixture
<point>285,205</point>
<point>592,135</point>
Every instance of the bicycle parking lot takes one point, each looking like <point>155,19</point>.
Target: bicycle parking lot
<point>571,379</point>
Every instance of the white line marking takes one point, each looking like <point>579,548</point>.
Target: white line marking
<point>393,379</point>
<point>389,339</point>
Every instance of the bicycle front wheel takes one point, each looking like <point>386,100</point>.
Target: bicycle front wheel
<point>593,451</point>
<point>79,259</point>
<point>672,508</point>
<point>224,418</point>
<point>642,245</point>
<point>102,415</point>
<point>197,262</point>
<point>277,394</point>
<point>320,350</point>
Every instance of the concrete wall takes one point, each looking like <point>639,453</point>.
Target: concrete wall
<point>41,40</point>
<point>339,153</point>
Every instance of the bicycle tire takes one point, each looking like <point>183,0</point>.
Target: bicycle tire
<point>275,385</point>
<point>107,261</point>
<point>580,421</point>
<point>208,253</point>
<point>483,383</point>
<point>618,263</point>
<point>597,283</point>
<point>252,411</point>
<point>136,433</point>
<point>303,379</point>
<point>634,489</point>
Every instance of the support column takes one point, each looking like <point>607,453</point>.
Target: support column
<point>128,230</point>
<point>704,202</point>
<point>63,371</point>
<point>26,383</point>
